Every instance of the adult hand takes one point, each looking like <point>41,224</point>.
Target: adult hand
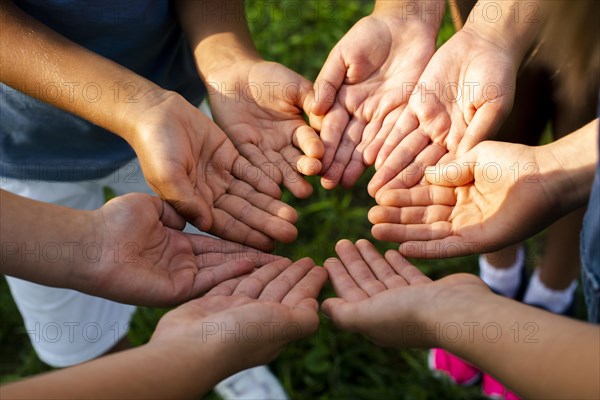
<point>145,259</point>
<point>462,98</point>
<point>188,161</point>
<point>247,321</point>
<point>495,195</point>
<point>259,105</point>
<point>386,298</point>
<point>370,72</point>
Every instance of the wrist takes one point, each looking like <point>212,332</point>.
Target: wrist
<point>423,18</point>
<point>511,29</point>
<point>425,14</point>
<point>567,186</point>
<point>147,96</point>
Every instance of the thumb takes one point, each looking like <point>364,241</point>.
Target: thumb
<point>456,173</point>
<point>186,202</point>
<point>327,84</point>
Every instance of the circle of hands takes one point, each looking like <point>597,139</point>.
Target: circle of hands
<point>370,105</point>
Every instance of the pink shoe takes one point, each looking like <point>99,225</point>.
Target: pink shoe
<point>443,363</point>
<point>495,390</point>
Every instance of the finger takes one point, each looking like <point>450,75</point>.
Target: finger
<point>405,125</point>
<point>186,201</point>
<point>307,140</point>
<point>373,148</point>
<point>308,288</point>
<point>230,228</point>
<point>419,232</point>
<point>256,219</point>
<point>332,128</point>
<point>426,195</point>
<point>354,170</point>
<point>415,171</point>
<point>409,215</point>
<point>212,251</point>
<point>209,277</point>
<point>350,139</point>
<point>225,288</point>
<point>456,173</point>
<point>295,163</point>
<point>262,182</point>
<point>452,246</point>
<point>253,285</point>
<point>485,124</point>
<point>258,159</point>
<point>379,266</point>
<point>276,289</point>
<point>345,315</point>
<point>343,284</point>
<point>399,159</point>
<point>168,216</point>
<point>263,202</point>
<point>328,82</point>
<point>358,268</point>
<point>403,267</point>
<point>457,130</point>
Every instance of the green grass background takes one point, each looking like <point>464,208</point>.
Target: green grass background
<point>331,364</point>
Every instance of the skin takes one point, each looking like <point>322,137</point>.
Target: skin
<point>394,304</point>
<point>478,202</point>
<point>186,159</point>
<point>462,98</point>
<point>131,250</point>
<point>259,104</point>
<point>368,74</point>
<point>196,335</point>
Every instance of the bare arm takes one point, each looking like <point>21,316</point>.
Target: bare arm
<point>199,343</point>
<point>536,353</point>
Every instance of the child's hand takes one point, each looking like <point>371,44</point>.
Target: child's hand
<point>145,259</point>
<point>247,321</point>
<point>259,106</point>
<point>369,73</point>
<point>188,161</point>
<point>495,195</point>
<point>462,98</point>
<point>388,299</point>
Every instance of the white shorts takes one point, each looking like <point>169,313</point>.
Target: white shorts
<point>67,327</point>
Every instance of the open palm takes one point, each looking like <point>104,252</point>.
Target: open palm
<point>370,72</point>
<point>188,161</point>
<point>145,259</point>
<point>260,106</point>
<point>478,203</point>
<point>463,96</point>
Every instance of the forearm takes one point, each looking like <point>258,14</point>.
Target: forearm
<point>512,25</point>
<point>218,33</point>
<point>568,165</point>
<point>45,243</point>
<point>32,55</point>
<point>429,13</point>
<point>150,371</point>
<point>534,352</point>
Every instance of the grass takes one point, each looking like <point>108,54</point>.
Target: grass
<point>330,364</point>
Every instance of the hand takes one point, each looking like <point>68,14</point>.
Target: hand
<point>388,298</point>
<point>145,259</point>
<point>189,161</point>
<point>369,73</point>
<point>495,195</point>
<point>247,321</point>
<point>463,96</point>
<point>259,106</point>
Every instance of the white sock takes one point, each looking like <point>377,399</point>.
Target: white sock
<point>539,294</point>
<point>505,281</point>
